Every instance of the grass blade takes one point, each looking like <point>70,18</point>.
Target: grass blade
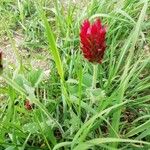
<point>52,43</point>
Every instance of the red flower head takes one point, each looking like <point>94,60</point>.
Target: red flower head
<point>92,37</point>
<point>28,105</point>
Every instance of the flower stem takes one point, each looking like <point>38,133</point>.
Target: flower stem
<point>95,68</point>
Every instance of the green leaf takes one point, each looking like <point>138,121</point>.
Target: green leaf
<point>63,144</point>
<point>138,129</point>
<point>97,142</point>
<point>52,42</point>
<point>35,77</point>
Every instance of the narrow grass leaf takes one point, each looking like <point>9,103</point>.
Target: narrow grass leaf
<point>52,43</point>
<point>97,142</point>
<point>60,145</point>
<point>138,129</point>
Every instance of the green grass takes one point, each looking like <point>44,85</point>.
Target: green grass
<point>77,106</point>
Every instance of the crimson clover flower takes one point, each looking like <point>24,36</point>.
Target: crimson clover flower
<point>92,38</point>
<point>28,105</point>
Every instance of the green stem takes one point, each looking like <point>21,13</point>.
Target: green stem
<point>80,74</point>
<point>95,68</point>
<point>65,98</point>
